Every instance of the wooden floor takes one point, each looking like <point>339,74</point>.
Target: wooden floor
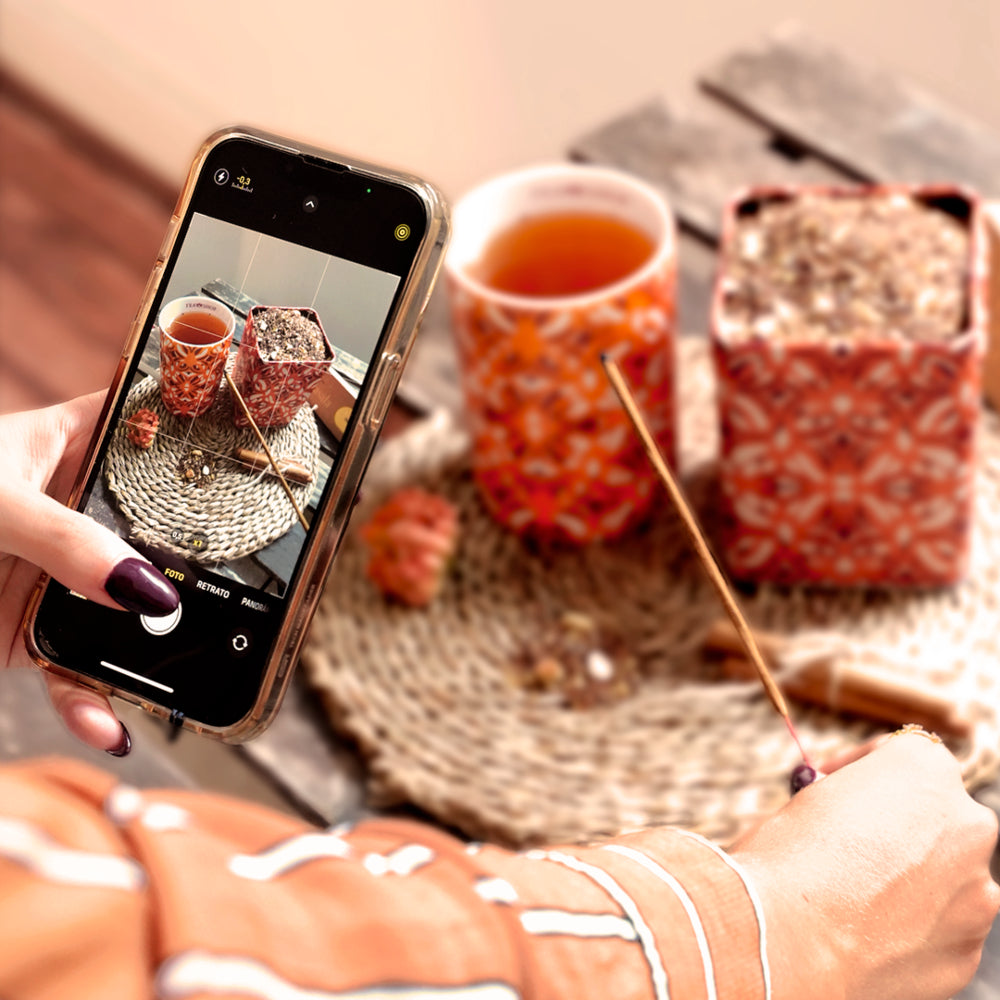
<point>79,230</point>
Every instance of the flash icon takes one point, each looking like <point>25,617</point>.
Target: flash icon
<point>221,175</point>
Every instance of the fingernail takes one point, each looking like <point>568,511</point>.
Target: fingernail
<point>138,586</point>
<point>123,747</point>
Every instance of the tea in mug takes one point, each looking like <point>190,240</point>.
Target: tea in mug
<point>562,254</point>
<point>198,329</point>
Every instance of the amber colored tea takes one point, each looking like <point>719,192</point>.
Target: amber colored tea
<point>198,329</point>
<point>562,254</point>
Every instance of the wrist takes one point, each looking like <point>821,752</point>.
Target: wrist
<point>805,952</point>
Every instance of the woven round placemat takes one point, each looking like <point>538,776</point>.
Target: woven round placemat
<point>234,514</point>
<point>427,693</point>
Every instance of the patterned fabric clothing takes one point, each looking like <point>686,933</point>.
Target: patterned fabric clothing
<point>111,892</point>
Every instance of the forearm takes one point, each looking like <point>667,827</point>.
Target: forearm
<point>236,891</point>
<point>655,914</point>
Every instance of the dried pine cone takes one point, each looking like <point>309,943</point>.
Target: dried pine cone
<point>142,428</point>
<point>411,538</point>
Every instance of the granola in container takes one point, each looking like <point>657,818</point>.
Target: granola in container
<point>282,356</point>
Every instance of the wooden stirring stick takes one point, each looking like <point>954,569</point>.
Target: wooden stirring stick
<point>701,547</point>
<point>267,451</point>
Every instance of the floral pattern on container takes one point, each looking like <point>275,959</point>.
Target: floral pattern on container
<point>275,389</point>
<point>544,417</point>
<point>195,336</point>
<point>849,459</point>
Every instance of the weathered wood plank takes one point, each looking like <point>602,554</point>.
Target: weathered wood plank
<point>863,119</point>
<point>431,377</point>
<point>696,264</point>
<point>300,753</point>
<point>698,164</point>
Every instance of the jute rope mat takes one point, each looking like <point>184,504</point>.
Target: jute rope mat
<point>427,696</point>
<point>235,514</point>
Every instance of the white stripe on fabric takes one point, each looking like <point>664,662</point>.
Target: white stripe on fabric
<point>164,816</point>
<point>282,858</point>
<point>196,973</point>
<point>402,861</point>
<point>582,925</point>
<point>123,804</point>
<point>758,909</point>
<point>32,847</point>
<point>495,890</point>
<point>685,900</point>
<point>658,974</point>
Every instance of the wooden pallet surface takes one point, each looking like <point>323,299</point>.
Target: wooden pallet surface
<point>792,110</point>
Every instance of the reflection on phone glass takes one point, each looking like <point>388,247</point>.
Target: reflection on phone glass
<point>253,363</point>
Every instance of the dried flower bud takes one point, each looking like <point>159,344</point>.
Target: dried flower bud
<point>142,426</point>
<point>411,539</point>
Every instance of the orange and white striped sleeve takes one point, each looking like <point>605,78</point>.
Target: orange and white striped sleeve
<point>106,890</point>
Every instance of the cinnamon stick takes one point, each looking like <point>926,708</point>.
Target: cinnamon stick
<point>293,471</point>
<point>844,689</point>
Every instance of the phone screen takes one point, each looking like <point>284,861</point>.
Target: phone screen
<point>284,276</point>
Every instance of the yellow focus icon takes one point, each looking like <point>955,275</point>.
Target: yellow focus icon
<point>402,232</point>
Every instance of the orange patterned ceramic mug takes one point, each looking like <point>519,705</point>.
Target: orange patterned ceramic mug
<point>195,335</point>
<point>549,268</point>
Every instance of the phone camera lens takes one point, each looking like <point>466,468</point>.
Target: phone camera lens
<point>310,204</point>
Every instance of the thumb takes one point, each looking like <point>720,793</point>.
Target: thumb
<point>82,554</point>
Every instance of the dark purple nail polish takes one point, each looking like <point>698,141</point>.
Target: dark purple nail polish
<point>138,586</point>
<point>124,746</point>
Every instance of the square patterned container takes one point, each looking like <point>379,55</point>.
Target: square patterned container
<point>274,391</point>
<point>849,459</point>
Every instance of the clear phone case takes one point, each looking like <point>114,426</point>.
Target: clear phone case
<point>331,519</point>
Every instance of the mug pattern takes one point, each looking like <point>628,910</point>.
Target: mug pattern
<point>274,391</point>
<point>190,375</point>
<point>554,453</point>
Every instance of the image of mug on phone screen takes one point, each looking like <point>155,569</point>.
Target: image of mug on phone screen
<point>256,378</point>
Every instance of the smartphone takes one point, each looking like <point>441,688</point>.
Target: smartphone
<point>256,377</point>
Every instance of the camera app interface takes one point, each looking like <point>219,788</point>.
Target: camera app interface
<point>253,360</point>
<point>234,416</point>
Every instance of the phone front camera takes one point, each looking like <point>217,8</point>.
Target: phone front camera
<point>310,204</point>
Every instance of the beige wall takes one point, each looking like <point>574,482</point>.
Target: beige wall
<point>454,89</point>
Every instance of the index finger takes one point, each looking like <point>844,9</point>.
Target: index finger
<point>864,749</point>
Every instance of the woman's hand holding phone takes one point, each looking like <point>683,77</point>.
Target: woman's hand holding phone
<point>42,451</point>
<point>282,265</point>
